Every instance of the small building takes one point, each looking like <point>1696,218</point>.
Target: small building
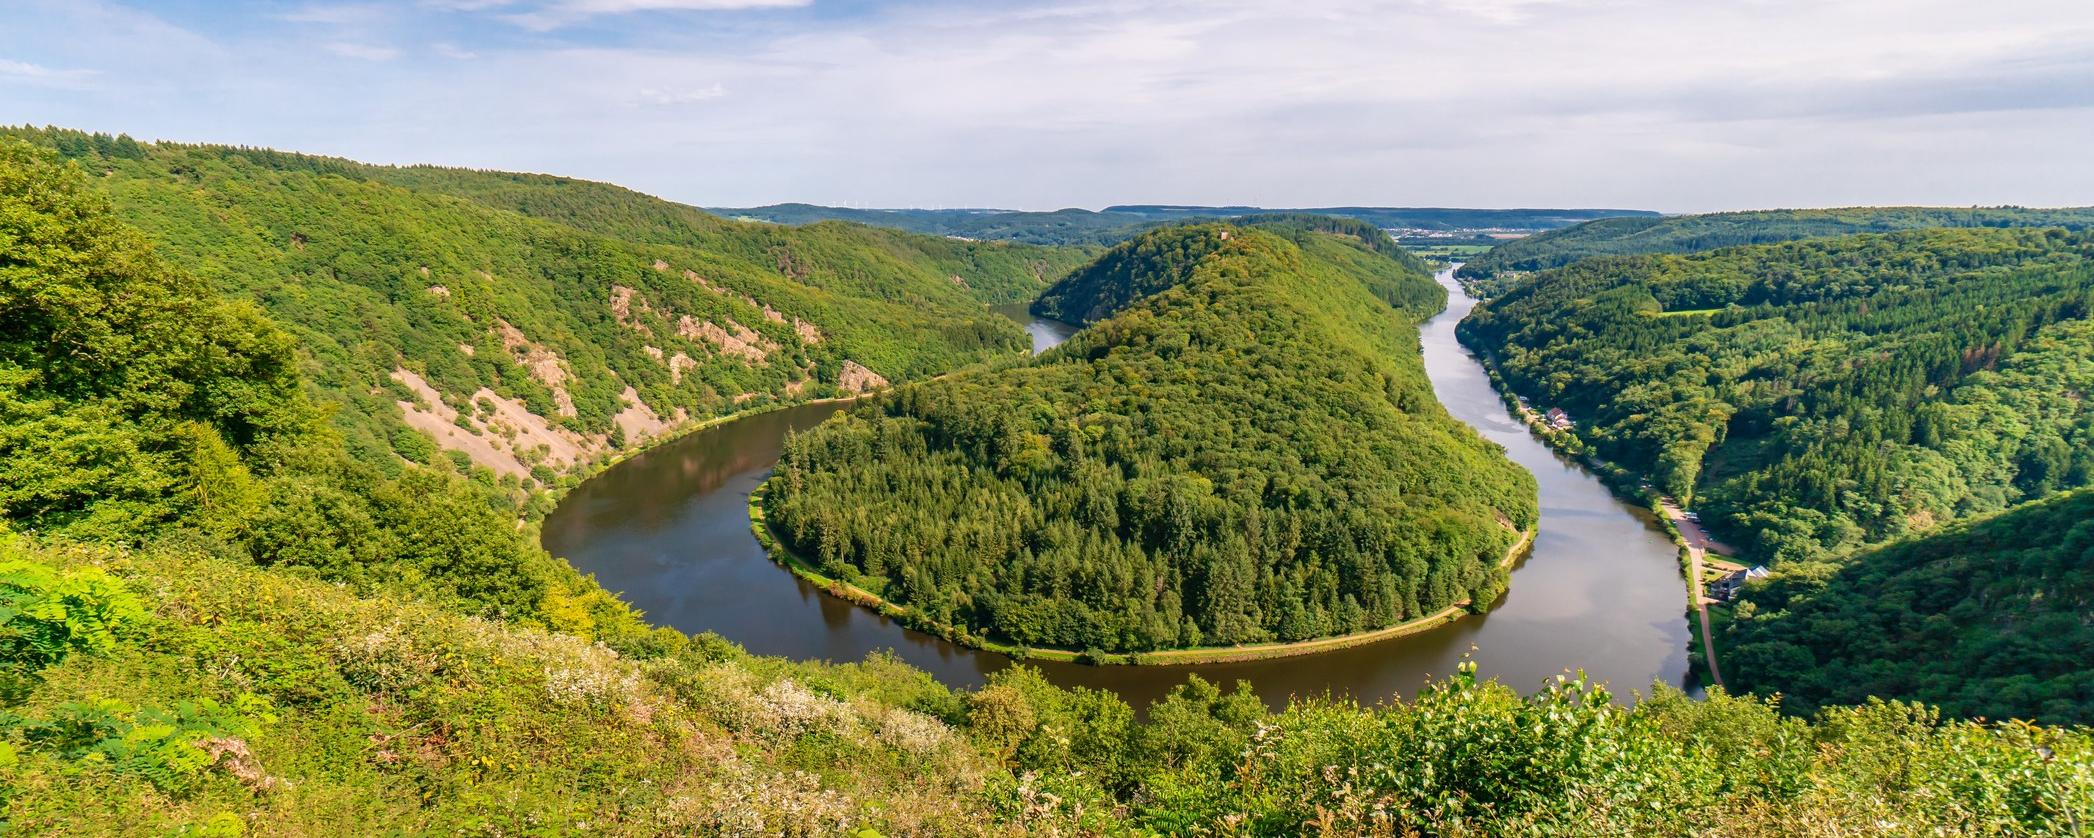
<point>1727,586</point>
<point>1560,420</point>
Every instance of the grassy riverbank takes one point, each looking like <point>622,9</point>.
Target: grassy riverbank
<point>845,590</point>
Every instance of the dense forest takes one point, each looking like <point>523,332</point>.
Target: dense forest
<point>214,621</point>
<point>1244,449</point>
<point>1816,396</point>
<point>1115,224</point>
<point>1154,263</point>
<point>1985,619</point>
<point>1492,273</point>
<point>530,322</point>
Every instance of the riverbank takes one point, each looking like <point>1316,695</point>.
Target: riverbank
<point>584,473</point>
<point>760,527</point>
<point>1628,486</point>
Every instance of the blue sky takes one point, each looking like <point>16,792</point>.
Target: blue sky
<point>1666,104</point>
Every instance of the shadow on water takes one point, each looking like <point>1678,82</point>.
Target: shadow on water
<point>669,531</point>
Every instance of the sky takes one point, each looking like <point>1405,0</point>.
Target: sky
<point>1675,105</point>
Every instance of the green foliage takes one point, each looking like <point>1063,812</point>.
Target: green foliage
<point>1842,392</point>
<point>1470,757</point>
<point>1826,395</point>
<point>1246,450</point>
<point>1495,272</point>
<point>127,390</point>
<point>137,405</point>
<point>1984,619</point>
<point>303,707</point>
<point>558,294</point>
<point>1154,262</point>
<point>46,615</point>
<point>169,747</point>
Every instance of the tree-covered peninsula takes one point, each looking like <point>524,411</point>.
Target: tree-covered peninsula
<point>1244,448</point>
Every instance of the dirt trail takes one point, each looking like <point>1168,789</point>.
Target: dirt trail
<point>1698,545</point>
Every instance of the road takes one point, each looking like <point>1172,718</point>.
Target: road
<point>1698,544</point>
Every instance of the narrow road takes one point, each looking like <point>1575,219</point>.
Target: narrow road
<point>1698,545</point>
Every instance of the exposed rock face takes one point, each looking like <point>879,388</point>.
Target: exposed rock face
<point>857,378</point>
<point>694,277</point>
<point>637,420</point>
<point>509,438</point>
<point>503,435</point>
<point>743,341</point>
<point>622,307</point>
<point>541,362</point>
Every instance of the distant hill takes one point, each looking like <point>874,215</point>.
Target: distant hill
<point>1629,236</point>
<point>1117,223</point>
<point>1152,263</point>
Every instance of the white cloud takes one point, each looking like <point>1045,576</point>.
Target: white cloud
<point>667,98</point>
<point>363,52</point>
<point>336,14</point>
<point>24,71</point>
<point>1650,103</point>
<point>566,12</point>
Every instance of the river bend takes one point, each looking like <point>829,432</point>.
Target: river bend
<point>669,531</point>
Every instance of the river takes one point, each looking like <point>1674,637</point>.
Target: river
<point>1601,591</point>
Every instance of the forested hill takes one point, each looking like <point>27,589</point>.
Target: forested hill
<point>1150,264</point>
<point>526,323</point>
<point>1246,449</point>
<point>215,621</point>
<point>1117,223</point>
<point>1695,233</point>
<point>1816,396</point>
<point>1986,619</point>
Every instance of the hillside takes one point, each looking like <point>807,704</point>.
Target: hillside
<point>1817,396</point>
<point>1151,264</point>
<point>215,622</point>
<point>1488,274</point>
<point>1985,619</point>
<point>1244,449</point>
<point>527,323</point>
<point>199,696</point>
<point>1115,224</point>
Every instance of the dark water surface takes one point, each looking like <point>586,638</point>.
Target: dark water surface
<point>669,530</point>
<point>1045,333</point>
